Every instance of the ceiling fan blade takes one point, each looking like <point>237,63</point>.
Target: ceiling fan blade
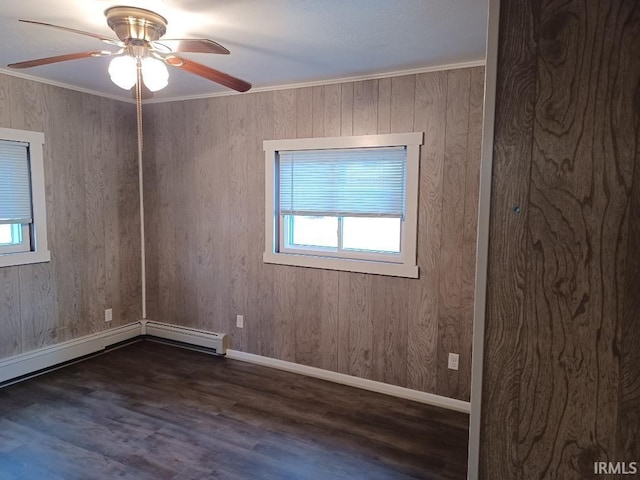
<point>208,73</point>
<point>80,32</point>
<point>187,45</point>
<point>59,58</point>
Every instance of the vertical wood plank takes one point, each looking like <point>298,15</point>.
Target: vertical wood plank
<point>346,114</point>
<point>317,110</point>
<point>28,104</point>
<point>5,102</point>
<point>451,244</point>
<point>260,311</point>
<point>471,198</point>
<point>10,325</point>
<point>304,98</point>
<point>384,105</point>
<point>94,269</point>
<point>332,110</point>
<point>128,205</point>
<point>365,107</point>
<point>430,110</point>
<point>38,309</point>
<point>238,224</point>
<point>184,166</point>
<point>505,284</point>
<point>205,191</point>
<point>166,216</point>
<point>111,218</point>
<point>284,277</point>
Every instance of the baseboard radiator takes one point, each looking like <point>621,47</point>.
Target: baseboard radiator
<point>38,361</point>
<point>218,342</point>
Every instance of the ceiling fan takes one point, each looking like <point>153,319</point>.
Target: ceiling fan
<point>142,52</point>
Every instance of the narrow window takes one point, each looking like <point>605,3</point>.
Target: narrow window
<point>23,236</point>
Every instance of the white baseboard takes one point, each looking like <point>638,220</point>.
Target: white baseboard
<point>27,363</point>
<point>47,357</point>
<point>191,336</point>
<point>393,390</point>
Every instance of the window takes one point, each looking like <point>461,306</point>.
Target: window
<point>343,203</point>
<point>23,234</point>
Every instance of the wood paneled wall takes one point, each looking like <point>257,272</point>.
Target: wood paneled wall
<point>204,201</point>
<point>91,181</point>
<point>561,387</point>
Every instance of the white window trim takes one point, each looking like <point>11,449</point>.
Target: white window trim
<point>40,248</point>
<point>408,268</point>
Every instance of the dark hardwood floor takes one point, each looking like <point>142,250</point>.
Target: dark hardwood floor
<point>155,411</point>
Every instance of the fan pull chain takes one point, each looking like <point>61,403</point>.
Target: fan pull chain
<point>140,186</point>
<point>139,107</point>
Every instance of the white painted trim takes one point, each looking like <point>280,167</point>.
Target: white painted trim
<point>25,76</point>
<point>342,264</point>
<point>192,336</point>
<point>48,357</point>
<point>482,253</point>
<point>39,227</point>
<point>34,361</point>
<point>226,93</point>
<point>363,383</point>
<point>331,81</point>
<point>352,141</point>
<point>410,230</point>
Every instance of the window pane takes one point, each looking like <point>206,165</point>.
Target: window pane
<point>5,234</point>
<point>313,231</point>
<point>10,234</point>
<point>371,234</point>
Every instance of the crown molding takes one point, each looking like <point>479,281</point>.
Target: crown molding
<point>333,81</point>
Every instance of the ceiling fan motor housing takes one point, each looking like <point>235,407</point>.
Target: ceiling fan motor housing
<point>136,26</point>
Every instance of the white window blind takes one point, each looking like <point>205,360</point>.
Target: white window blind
<point>15,183</point>
<point>354,182</point>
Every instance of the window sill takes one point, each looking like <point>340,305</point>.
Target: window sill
<point>24,258</point>
<point>359,266</point>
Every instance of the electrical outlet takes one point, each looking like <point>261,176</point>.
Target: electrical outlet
<point>239,321</point>
<point>108,315</point>
<point>454,361</point>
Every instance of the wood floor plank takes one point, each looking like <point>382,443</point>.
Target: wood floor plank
<point>180,414</point>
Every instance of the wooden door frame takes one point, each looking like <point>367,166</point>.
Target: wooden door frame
<point>482,248</point>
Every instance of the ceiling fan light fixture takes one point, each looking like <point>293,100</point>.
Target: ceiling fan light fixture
<point>154,74</point>
<point>122,71</point>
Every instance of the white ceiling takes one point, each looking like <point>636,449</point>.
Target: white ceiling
<point>272,42</point>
